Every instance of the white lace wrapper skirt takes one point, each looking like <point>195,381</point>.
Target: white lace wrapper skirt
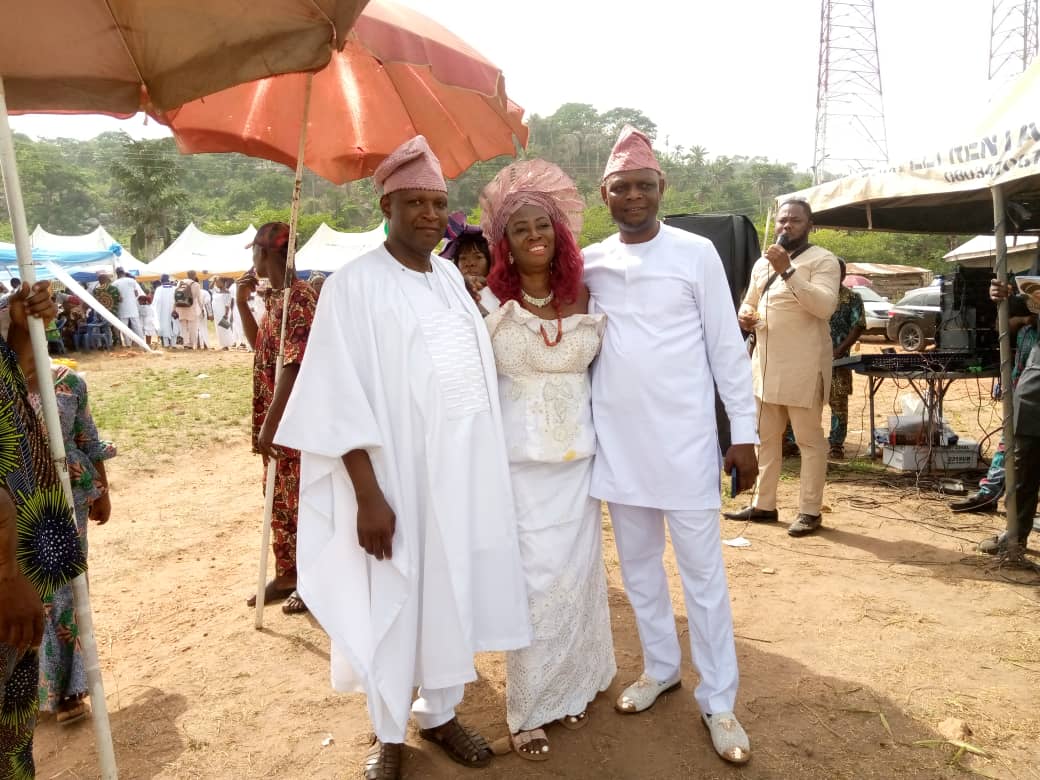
<point>572,656</point>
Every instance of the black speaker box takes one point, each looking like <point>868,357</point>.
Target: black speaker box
<point>968,318</point>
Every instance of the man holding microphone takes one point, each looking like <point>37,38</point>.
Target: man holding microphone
<point>788,305</point>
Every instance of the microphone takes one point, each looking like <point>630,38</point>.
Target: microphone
<point>784,241</point>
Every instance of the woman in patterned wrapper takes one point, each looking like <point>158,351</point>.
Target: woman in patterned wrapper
<point>63,675</point>
<point>544,339</point>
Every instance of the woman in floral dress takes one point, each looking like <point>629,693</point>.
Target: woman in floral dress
<point>63,678</point>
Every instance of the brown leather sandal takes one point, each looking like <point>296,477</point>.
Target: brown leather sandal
<point>383,761</point>
<point>463,746</point>
<point>531,745</point>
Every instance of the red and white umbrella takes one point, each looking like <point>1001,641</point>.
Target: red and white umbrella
<point>399,74</point>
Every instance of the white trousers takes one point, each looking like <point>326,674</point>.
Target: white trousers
<point>434,707</point>
<point>639,534</point>
<point>134,323</point>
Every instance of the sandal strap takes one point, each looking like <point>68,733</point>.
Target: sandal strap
<point>524,738</point>
<point>462,741</point>
<point>383,761</point>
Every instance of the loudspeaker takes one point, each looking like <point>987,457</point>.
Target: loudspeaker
<point>967,318</point>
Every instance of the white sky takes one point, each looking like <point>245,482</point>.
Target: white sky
<point>737,77</point>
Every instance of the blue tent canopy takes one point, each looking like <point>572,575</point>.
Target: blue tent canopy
<point>83,266</point>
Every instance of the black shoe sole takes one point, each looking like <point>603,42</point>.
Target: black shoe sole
<point>756,518</point>
<point>985,506</point>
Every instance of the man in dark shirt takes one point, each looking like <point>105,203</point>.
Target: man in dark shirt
<point>1027,441</point>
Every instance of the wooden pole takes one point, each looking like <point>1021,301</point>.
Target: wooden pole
<point>290,277</point>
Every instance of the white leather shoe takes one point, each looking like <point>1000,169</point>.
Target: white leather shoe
<point>642,694</point>
<point>728,737</point>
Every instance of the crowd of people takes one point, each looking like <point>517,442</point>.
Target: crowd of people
<point>167,314</point>
<point>444,430</point>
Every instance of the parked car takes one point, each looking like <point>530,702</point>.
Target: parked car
<point>912,322</point>
<point>876,308</point>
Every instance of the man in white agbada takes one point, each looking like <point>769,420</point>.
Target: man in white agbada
<point>671,331</point>
<point>406,550</point>
<point>162,303</point>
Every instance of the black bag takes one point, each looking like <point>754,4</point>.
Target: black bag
<point>182,297</point>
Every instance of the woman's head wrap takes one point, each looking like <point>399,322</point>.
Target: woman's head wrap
<point>458,233</point>
<point>530,183</point>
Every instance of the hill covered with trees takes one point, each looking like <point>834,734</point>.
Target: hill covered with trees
<point>145,192</point>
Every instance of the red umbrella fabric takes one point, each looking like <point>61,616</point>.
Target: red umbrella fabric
<point>398,75</point>
<point>114,56</point>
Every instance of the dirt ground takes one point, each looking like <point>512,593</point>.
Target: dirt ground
<point>854,644</point>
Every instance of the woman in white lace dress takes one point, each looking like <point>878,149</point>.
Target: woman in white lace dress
<point>544,340</point>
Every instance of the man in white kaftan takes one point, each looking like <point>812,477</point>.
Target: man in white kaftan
<point>671,334</point>
<point>162,303</point>
<point>396,414</point>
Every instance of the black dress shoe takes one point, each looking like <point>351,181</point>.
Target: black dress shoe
<point>754,515</point>
<point>976,502</point>
<point>805,524</point>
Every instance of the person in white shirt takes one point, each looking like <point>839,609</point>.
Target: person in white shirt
<point>163,307</point>
<point>224,313</point>
<point>671,337</point>
<point>149,323</point>
<point>129,311</point>
<point>407,549</point>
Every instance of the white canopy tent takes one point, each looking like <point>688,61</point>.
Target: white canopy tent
<point>205,253</point>
<point>98,239</point>
<point>328,249</point>
<point>986,183</point>
<point>981,251</point>
<point>947,190</point>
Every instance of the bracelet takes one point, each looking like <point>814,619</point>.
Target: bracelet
<point>787,274</point>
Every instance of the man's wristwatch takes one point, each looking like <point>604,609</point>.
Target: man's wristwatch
<point>787,274</point>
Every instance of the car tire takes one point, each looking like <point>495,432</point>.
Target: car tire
<point>911,337</point>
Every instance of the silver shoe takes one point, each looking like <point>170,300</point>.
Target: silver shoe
<point>728,737</point>
<point>642,694</point>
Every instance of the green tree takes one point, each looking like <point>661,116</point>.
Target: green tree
<point>55,189</point>
<point>146,182</point>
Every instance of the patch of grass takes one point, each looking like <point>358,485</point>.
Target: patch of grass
<point>158,410</point>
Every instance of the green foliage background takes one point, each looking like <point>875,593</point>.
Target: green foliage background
<point>145,193</point>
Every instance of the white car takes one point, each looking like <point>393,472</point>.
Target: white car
<point>875,308</point>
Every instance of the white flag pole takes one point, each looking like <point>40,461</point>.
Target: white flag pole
<point>38,336</point>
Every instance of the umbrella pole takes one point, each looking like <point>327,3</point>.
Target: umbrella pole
<point>1014,549</point>
<point>287,281</point>
<point>38,336</point>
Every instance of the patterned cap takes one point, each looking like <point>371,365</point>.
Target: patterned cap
<point>411,166</point>
<point>632,152</point>
<point>271,236</point>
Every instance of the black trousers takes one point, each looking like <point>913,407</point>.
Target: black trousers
<point>1027,485</point>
